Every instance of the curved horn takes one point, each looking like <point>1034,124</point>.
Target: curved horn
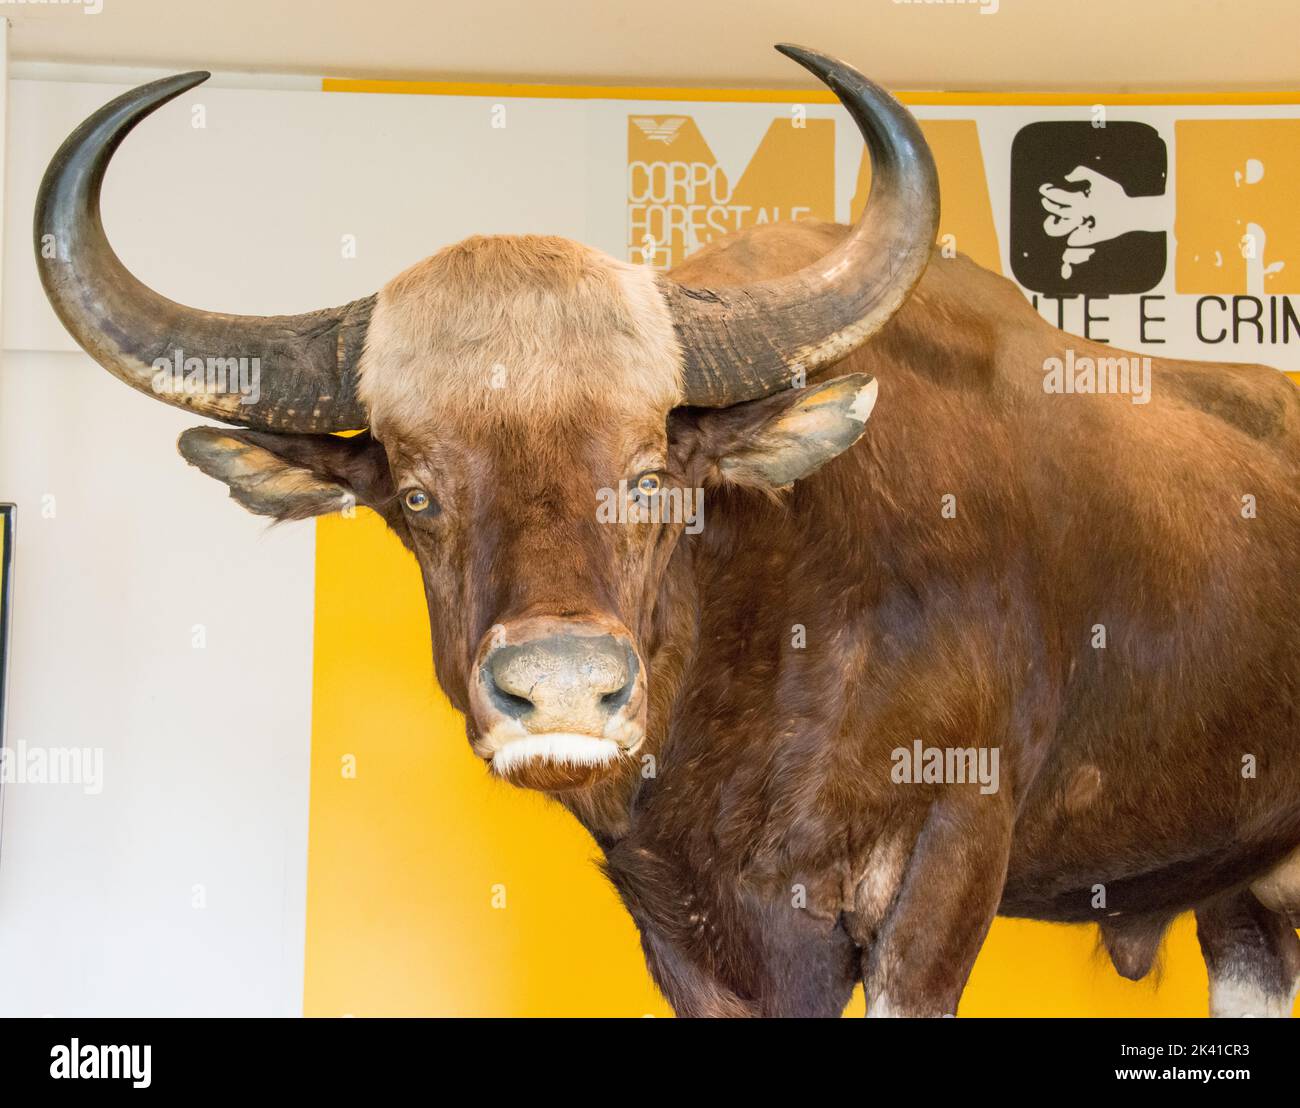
<point>747,341</point>
<point>305,362</point>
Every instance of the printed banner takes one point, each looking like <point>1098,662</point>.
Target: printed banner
<point>1166,228</point>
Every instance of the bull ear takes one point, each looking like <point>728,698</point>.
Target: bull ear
<point>775,442</point>
<point>292,476</point>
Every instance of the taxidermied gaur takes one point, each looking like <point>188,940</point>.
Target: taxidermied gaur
<point>730,712</point>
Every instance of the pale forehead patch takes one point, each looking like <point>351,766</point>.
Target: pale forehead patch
<point>529,327</point>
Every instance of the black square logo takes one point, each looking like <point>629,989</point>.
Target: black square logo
<point>1086,213</point>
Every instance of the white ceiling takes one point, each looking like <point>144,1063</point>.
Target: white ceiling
<point>923,44</point>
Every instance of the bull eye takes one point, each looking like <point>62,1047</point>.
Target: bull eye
<point>417,501</point>
<point>648,484</point>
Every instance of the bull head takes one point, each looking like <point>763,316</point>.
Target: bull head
<point>503,386</point>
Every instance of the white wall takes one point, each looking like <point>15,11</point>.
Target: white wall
<point>122,549</point>
<point>205,751</point>
<point>1035,44</point>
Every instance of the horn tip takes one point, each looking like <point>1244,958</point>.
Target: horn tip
<point>168,88</point>
<point>159,92</point>
<point>801,54</point>
<point>822,66</point>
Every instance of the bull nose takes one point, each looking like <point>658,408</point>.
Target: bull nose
<point>561,682</point>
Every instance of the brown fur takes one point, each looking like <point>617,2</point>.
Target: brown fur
<point>526,327</point>
<point>1121,767</point>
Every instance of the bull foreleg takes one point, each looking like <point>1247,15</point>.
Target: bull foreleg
<point>1252,954</point>
<point>943,901</point>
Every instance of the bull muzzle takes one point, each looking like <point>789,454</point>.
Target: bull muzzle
<point>557,703</point>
